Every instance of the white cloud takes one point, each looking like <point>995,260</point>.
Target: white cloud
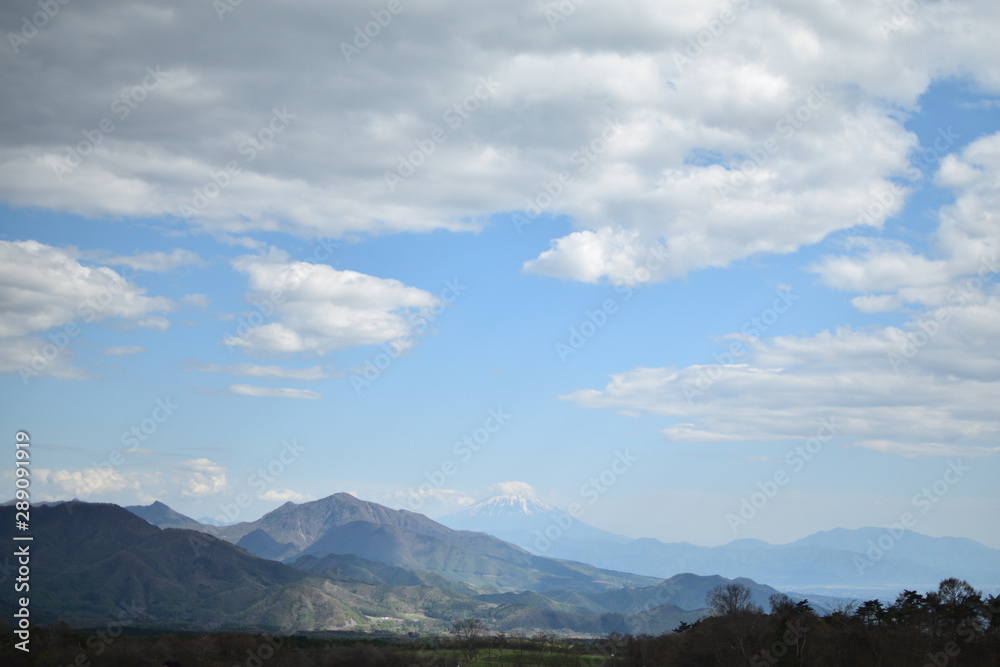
<point>195,478</point>
<point>321,309</point>
<point>927,389</point>
<point>966,245</point>
<point>90,482</point>
<point>324,173</point>
<point>283,496</point>
<point>43,287</point>
<point>30,356</point>
<point>272,392</point>
<point>200,477</point>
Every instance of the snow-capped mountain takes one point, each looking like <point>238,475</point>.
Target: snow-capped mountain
<point>516,499</point>
<point>517,514</point>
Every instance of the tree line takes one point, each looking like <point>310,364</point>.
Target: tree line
<point>953,626</point>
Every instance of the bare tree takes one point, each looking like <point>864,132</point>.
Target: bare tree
<point>729,599</point>
<point>470,635</point>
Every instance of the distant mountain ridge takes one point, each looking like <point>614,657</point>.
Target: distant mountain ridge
<point>94,562</point>
<point>839,562</point>
<point>520,516</point>
<point>836,562</point>
<point>161,515</point>
<point>343,524</point>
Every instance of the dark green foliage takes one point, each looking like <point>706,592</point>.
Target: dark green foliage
<point>914,630</point>
<point>953,626</point>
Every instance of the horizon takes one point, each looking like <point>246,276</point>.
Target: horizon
<point>249,518</point>
<point>704,272</point>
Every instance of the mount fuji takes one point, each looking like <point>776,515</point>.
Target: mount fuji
<point>517,514</point>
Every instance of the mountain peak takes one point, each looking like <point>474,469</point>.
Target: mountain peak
<point>510,499</point>
<point>162,515</point>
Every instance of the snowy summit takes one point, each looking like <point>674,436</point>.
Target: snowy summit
<point>511,499</point>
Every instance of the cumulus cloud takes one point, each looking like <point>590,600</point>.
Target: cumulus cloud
<point>897,390</point>
<point>925,388</point>
<point>283,496</point>
<point>199,477</point>
<point>43,287</point>
<point>195,478</point>
<point>966,245</point>
<point>89,482</point>
<point>767,139</point>
<point>320,309</point>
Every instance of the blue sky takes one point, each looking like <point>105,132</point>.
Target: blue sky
<point>190,342</point>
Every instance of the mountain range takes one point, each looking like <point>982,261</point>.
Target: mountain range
<point>520,516</point>
<point>860,563</point>
<point>93,562</point>
<point>344,524</point>
<point>342,563</point>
